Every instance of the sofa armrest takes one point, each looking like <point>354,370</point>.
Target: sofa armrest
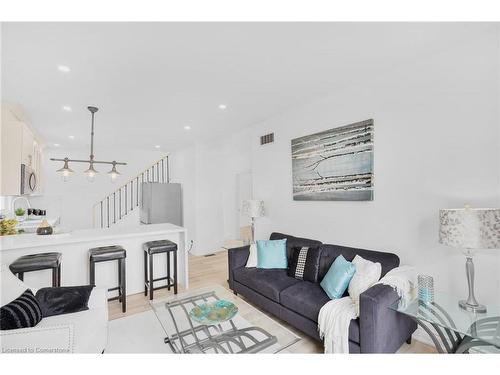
<point>47,339</point>
<point>381,329</point>
<point>236,258</point>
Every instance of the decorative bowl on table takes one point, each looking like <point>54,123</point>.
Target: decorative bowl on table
<point>213,312</point>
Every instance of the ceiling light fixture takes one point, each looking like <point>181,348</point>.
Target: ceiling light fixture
<point>67,108</point>
<point>187,127</point>
<point>91,172</point>
<point>157,146</point>
<point>71,136</point>
<point>65,171</point>
<point>63,68</point>
<point>222,107</point>
<point>56,144</point>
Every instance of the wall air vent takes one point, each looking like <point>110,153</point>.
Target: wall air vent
<point>265,139</point>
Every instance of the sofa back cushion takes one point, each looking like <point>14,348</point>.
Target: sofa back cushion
<point>330,252</point>
<point>292,242</point>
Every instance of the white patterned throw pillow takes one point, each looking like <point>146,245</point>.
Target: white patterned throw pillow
<point>252,258</point>
<point>367,274</point>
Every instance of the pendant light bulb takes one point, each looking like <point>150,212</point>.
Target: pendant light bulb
<point>91,173</point>
<point>113,173</point>
<point>65,171</point>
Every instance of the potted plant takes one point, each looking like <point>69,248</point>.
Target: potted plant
<point>20,212</point>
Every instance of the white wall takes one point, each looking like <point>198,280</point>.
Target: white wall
<point>208,171</point>
<point>73,201</point>
<point>436,146</point>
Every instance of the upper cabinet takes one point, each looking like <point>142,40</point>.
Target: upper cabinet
<point>20,145</point>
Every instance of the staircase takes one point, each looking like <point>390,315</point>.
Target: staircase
<point>116,206</point>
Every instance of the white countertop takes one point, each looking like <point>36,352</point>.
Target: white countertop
<point>22,241</point>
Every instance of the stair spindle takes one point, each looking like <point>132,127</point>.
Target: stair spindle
<point>101,215</point>
<point>107,209</point>
<point>114,207</point>
<point>125,199</point>
<point>168,171</point>
<point>120,204</point>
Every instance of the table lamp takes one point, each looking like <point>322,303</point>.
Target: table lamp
<point>253,208</point>
<point>470,229</point>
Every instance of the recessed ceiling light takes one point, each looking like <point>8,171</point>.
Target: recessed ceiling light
<point>63,68</point>
<point>222,106</point>
<point>187,127</point>
<point>71,136</point>
<point>56,144</point>
<point>67,108</point>
<point>157,146</point>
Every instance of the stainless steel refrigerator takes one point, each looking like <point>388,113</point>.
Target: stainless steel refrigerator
<point>161,203</point>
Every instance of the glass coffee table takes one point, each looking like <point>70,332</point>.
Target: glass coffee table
<point>452,329</point>
<point>249,331</point>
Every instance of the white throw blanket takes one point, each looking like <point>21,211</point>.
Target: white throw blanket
<point>336,315</point>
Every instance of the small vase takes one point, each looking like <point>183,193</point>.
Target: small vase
<point>21,218</point>
<point>425,288</point>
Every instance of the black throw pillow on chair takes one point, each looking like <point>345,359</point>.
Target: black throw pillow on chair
<point>23,312</point>
<point>63,300</point>
<point>304,264</point>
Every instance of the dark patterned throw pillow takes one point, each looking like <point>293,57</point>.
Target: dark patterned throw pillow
<point>304,264</point>
<point>23,312</point>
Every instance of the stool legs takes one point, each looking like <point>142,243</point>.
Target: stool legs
<point>175,272</point>
<point>123,286</point>
<point>145,273</point>
<point>59,275</point>
<point>55,277</point>
<point>151,277</point>
<point>168,271</point>
<point>92,273</point>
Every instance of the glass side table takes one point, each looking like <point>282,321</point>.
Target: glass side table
<point>452,329</point>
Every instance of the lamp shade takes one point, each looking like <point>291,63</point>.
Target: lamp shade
<point>470,228</point>
<point>253,208</point>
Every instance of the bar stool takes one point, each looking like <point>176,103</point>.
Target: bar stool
<point>158,247</point>
<point>38,262</point>
<point>107,253</point>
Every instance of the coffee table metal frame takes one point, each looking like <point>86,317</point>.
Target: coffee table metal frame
<point>217,339</point>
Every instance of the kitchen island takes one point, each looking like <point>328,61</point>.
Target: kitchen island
<point>74,247</point>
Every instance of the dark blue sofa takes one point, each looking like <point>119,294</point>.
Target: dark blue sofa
<point>378,328</point>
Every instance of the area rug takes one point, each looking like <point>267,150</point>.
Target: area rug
<point>143,333</point>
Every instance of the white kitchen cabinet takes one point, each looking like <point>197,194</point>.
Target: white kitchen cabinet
<point>28,146</point>
<point>19,146</point>
<point>12,139</point>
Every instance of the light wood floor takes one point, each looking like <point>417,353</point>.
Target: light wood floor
<point>211,270</point>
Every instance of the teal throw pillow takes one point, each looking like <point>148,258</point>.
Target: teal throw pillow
<point>338,277</point>
<point>272,254</point>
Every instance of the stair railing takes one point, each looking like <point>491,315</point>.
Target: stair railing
<point>118,204</point>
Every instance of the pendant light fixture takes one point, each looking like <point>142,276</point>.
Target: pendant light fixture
<point>91,172</point>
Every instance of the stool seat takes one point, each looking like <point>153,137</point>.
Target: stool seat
<point>35,262</point>
<point>104,253</point>
<point>159,246</point>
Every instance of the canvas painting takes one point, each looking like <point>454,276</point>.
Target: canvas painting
<point>334,165</point>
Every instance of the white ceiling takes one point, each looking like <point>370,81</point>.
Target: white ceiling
<point>152,79</point>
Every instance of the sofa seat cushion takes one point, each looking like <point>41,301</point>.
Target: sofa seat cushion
<point>268,282</point>
<point>306,298</point>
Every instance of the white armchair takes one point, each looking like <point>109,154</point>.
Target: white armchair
<point>81,332</point>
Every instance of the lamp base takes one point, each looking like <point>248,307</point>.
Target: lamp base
<point>472,308</point>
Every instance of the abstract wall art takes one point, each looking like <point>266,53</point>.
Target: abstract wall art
<point>334,165</point>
